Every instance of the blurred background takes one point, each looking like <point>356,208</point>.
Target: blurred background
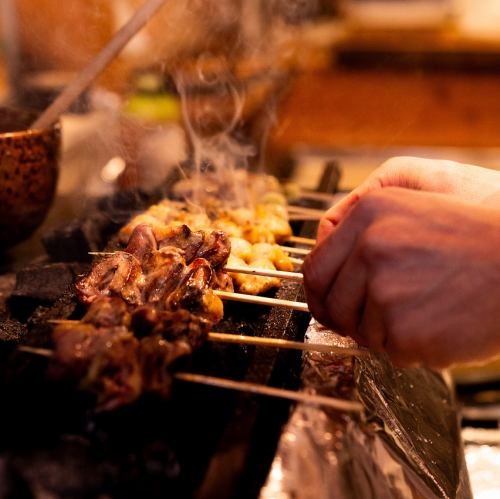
<point>283,86</point>
<point>299,81</point>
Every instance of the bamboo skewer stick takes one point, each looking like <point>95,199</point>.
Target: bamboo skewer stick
<point>281,274</point>
<point>262,300</point>
<point>280,343</point>
<point>98,64</point>
<point>306,398</point>
<point>302,240</point>
<point>42,352</point>
<point>252,340</point>
<point>296,261</point>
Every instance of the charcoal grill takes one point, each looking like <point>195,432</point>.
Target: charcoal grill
<point>203,442</point>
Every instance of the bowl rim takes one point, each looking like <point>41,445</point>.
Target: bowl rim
<point>54,127</point>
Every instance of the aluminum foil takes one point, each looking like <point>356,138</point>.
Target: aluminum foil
<point>406,444</point>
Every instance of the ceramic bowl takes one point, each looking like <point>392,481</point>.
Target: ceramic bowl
<point>29,167</point>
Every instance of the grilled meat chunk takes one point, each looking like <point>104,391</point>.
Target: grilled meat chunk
<point>118,274</point>
<point>194,293</point>
<point>163,271</point>
<point>253,284</point>
<point>156,357</point>
<point>142,242</point>
<point>216,248</point>
<point>77,344</point>
<point>107,311</point>
<point>183,325</point>
<point>184,238</point>
<point>114,373</point>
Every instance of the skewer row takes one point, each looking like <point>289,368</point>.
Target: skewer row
<point>306,398</point>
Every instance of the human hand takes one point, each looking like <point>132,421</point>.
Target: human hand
<point>415,274</point>
<point>468,182</point>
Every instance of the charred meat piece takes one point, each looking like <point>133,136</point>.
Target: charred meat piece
<point>144,319</point>
<point>216,248</point>
<point>142,242</point>
<point>184,238</point>
<point>107,311</point>
<point>222,280</point>
<point>75,345</point>
<point>194,293</point>
<point>183,325</point>
<point>163,271</point>
<point>156,358</point>
<point>114,373</point>
<point>118,274</point>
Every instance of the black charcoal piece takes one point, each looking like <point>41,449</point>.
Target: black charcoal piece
<point>72,242</point>
<point>44,283</point>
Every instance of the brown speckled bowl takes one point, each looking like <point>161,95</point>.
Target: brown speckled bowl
<point>28,174</point>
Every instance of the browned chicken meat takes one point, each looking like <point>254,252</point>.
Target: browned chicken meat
<point>103,359</point>
<point>106,358</point>
<point>195,294</point>
<point>144,274</point>
<point>127,341</point>
<point>119,274</point>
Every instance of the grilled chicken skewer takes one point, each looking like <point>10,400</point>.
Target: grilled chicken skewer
<point>306,398</point>
<point>262,341</point>
<point>280,274</point>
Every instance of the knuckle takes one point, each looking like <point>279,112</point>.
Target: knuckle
<point>367,205</point>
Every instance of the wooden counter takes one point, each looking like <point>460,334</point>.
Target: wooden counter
<point>353,108</point>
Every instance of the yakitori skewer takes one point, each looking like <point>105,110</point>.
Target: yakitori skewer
<point>280,274</point>
<point>261,341</point>
<point>262,300</point>
<point>241,339</point>
<point>306,398</point>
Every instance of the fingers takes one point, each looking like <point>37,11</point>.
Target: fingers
<point>324,262</point>
<point>345,298</point>
<point>404,172</point>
